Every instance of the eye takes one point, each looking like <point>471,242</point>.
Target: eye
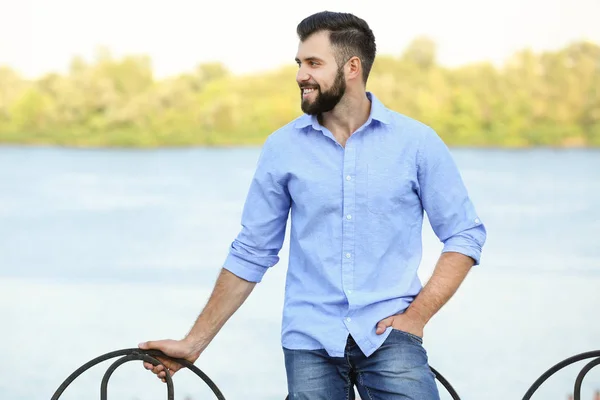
<point>311,63</point>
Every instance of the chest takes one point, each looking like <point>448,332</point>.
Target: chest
<point>377,173</point>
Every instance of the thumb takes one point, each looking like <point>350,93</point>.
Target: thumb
<point>148,345</point>
<point>160,345</point>
<point>383,325</point>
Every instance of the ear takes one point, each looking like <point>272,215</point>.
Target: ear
<point>354,68</point>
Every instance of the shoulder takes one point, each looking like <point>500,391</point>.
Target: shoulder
<point>284,135</point>
<point>412,133</point>
<point>413,128</point>
<point>279,143</point>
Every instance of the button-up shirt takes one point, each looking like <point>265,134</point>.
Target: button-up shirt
<point>356,218</point>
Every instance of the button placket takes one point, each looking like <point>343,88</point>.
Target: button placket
<point>349,195</point>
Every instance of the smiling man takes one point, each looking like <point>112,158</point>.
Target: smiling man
<point>356,178</point>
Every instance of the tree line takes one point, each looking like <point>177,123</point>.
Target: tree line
<point>550,98</point>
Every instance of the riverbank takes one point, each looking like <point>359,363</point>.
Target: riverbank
<point>535,99</point>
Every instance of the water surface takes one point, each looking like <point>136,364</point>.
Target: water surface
<point>101,249</point>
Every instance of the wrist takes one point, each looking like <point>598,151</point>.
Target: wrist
<point>413,314</point>
<point>196,343</point>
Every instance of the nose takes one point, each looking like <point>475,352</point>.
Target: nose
<point>302,75</point>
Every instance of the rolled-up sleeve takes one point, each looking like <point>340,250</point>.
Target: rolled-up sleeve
<point>446,201</point>
<point>264,219</point>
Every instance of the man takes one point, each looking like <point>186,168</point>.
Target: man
<point>356,178</point>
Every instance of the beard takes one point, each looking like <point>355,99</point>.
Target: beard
<point>327,100</point>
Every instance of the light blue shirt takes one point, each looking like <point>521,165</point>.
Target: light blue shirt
<point>356,219</point>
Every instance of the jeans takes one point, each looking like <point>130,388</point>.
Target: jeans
<point>399,369</point>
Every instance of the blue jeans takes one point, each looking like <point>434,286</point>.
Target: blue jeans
<point>399,369</point>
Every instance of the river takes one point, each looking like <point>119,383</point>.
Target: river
<point>101,249</point>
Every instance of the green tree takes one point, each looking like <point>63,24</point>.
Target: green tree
<point>536,99</point>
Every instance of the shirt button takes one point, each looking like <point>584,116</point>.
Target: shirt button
<point>348,319</point>
<point>477,220</point>
<point>349,291</point>
<point>348,255</point>
<point>348,216</point>
<point>348,177</point>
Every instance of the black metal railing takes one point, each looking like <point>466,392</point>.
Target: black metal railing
<point>151,356</point>
<point>563,364</point>
<point>131,355</point>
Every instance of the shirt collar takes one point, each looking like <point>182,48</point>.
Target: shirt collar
<point>378,112</point>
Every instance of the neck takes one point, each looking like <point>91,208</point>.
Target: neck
<point>348,115</point>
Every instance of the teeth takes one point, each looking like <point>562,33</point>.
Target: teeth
<point>305,91</point>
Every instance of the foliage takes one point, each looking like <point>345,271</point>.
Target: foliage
<point>546,99</point>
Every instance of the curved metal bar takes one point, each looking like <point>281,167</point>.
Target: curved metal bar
<point>134,357</point>
<point>137,354</point>
<point>557,367</point>
<point>581,375</point>
<point>192,368</point>
<point>446,384</point>
<point>84,368</point>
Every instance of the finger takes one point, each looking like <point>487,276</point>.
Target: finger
<point>163,373</point>
<point>166,362</point>
<point>148,365</point>
<point>157,369</point>
<point>384,324</point>
<point>151,344</point>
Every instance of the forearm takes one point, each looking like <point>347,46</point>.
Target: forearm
<point>449,273</point>
<point>228,295</point>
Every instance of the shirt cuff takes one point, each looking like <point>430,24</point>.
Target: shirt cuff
<point>244,269</point>
<point>468,243</point>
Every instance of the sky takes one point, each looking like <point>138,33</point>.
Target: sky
<point>40,36</point>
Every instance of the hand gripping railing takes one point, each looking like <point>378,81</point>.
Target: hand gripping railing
<point>131,355</point>
<point>151,357</point>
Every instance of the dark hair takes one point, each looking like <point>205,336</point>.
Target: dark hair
<point>350,35</point>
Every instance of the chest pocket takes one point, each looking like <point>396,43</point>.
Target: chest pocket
<point>389,188</point>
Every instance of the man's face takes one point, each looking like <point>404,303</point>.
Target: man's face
<point>322,83</point>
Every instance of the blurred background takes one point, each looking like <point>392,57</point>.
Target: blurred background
<point>129,132</point>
